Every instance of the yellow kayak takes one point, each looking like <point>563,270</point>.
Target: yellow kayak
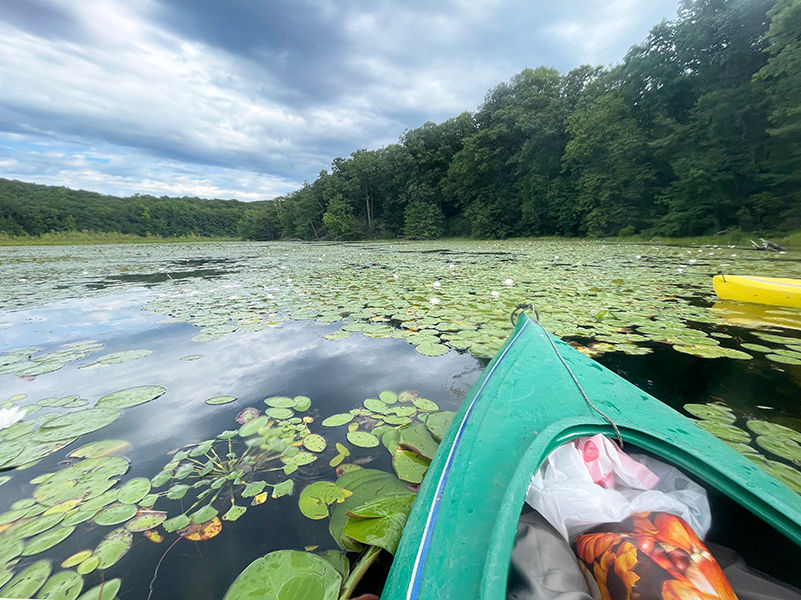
<point>760,290</point>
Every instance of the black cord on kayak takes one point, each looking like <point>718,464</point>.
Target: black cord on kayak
<point>581,389</point>
<point>519,309</point>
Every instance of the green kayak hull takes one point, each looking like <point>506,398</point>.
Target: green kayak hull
<point>458,540</point>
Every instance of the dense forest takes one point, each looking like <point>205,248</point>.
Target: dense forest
<point>696,131</point>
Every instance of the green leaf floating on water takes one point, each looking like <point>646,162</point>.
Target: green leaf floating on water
<point>711,412</point>
<point>438,422</point>
<point>48,539</point>
<point>314,442</point>
<point>279,413</point>
<point>379,522</point>
<point>425,404</point>
<point>104,591</point>
<point>362,439</point>
<point>315,498</point>
<point>115,514</point>
<point>418,439</point>
<point>773,429</point>
<point>388,397</point>
<point>233,513</point>
<point>285,488</point>
<point>176,523</point>
<point>113,547</point>
<point>409,466</point>
<point>726,432</point>
<point>118,357</point>
<point>103,448</point>
<point>781,446</point>
<point>287,575</point>
<point>76,558</point>
<point>302,403</point>
<point>337,420</point>
<point>146,519</point>
<point>202,515</point>
<point>280,402</point>
<point>375,405</point>
<point>74,424</point>
<point>27,582</point>
<point>216,400</point>
<point>134,490</point>
<point>432,349</point>
<point>64,585</point>
<point>30,527</point>
<point>131,396</point>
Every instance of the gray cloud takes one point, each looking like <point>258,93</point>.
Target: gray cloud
<point>254,97</point>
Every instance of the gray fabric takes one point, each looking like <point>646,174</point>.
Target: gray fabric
<point>543,565</point>
<point>748,583</point>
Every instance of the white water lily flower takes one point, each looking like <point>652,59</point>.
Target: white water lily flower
<point>733,255</point>
<point>495,294</point>
<point>434,300</point>
<point>436,284</point>
<point>11,415</point>
<point>508,281</point>
<point>638,256</point>
<point>691,261</point>
<point>680,270</point>
<point>394,276</point>
<point>451,265</point>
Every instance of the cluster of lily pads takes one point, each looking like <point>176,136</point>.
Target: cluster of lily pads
<point>367,508</point>
<point>774,440</point>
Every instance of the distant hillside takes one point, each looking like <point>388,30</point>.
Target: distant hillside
<point>31,209</point>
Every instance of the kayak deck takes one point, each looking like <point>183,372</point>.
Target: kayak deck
<point>458,539</point>
<point>760,290</point>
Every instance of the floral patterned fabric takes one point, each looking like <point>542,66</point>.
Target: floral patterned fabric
<point>651,556</point>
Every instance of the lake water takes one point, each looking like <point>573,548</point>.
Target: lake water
<point>337,324</point>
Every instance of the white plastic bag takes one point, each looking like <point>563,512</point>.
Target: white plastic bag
<point>590,481</point>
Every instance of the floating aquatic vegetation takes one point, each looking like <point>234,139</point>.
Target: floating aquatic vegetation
<point>117,358</point>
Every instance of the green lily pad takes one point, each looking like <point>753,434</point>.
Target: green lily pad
<point>104,448</point>
<point>56,402</point>
<point>26,583</point>
<point>144,520</point>
<point>176,523</point>
<point>711,412</point>
<point>119,357</point>
<point>380,522</point>
<point>362,439</point>
<point>76,558</point>
<point>75,424</point>
<point>30,527</point>
<point>417,438</point>
<point>396,420</point>
<point>192,357</point>
<point>432,349</point>
<point>337,420</point>
<point>302,403</point>
<point>253,426</point>
<point>786,474</point>
<point>780,446</point>
<point>388,397</point>
<point>773,429</point>
<point>233,513</point>
<point>88,565</point>
<point>216,400</point>
<point>375,405</point>
<point>254,488</point>
<point>279,413</point>
<point>104,591</point>
<point>134,490</point>
<point>287,575</point>
<point>131,396</point>
<point>425,404</point>
<point>115,514</point>
<point>785,360</point>
<point>202,515</point>
<point>64,585</point>
<point>403,411</point>
<point>285,488</point>
<point>438,422</point>
<point>729,433</point>
<point>47,540</point>
<point>10,549</point>
<point>314,442</point>
<point>113,547</point>
<point>409,466</point>
<point>280,402</point>
<point>315,498</point>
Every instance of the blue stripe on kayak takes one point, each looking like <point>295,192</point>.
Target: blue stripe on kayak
<point>422,551</point>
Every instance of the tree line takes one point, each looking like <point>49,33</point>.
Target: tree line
<point>697,130</point>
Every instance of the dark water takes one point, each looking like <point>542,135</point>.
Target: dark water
<point>293,359</point>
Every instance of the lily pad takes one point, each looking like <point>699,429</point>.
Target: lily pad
<point>337,420</point>
<point>204,514</point>
<point>438,422</point>
<point>77,423</point>
<point>115,514</point>
<point>388,397</point>
<point>362,439</point>
<point>285,488</point>
<point>375,405</point>
<point>280,402</point>
<point>131,396</point>
<point>773,429</point>
<point>380,522</point>
<point>104,448</point>
<point>76,558</point>
<point>26,583</point>
<point>315,498</point>
<point>314,442</point>
<point>47,540</point>
<point>417,438</point>
<point>104,591</point>
<point>216,400</point>
<point>287,575</point>
<point>119,357</point>
<point>409,466</point>
<point>64,585</point>
<point>30,527</point>
<point>302,403</point>
<point>88,565</point>
<point>134,490</point>
<point>711,412</point>
<point>202,531</point>
<point>432,349</point>
<point>176,523</point>
<point>425,404</point>
<point>233,513</point>
<point>729,433</point>
<point>781,446</point>
<point>279,413</point>
<point>146,519</point>
<point>113,547</point>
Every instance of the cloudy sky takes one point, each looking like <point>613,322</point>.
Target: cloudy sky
<point>249,98</point>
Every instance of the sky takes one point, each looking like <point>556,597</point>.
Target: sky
<point>248,99</point>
